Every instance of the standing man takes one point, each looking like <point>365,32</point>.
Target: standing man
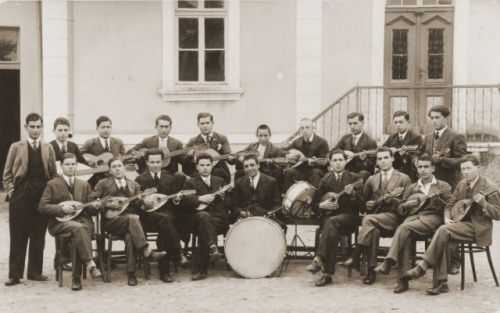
<point>81,227</point>
<point>476,226</point>
<point>62,145</point>
<point>215,141</point>
<point>312,146</point>
<point>30,165</point>
<point>377,190</point>
<point>423,222</point>
<point>402,138</point>
<point>357,142</point>
<point>345,219</point>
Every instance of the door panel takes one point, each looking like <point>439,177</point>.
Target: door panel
<point>9,112</point>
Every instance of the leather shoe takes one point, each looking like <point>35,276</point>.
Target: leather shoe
<point>215,256</point>
<point>95,273</point>
<point>324,280</point>
<point>454,270</point>
<point>349,262</point>
<point>402,286</point>
<point>384,268</point>
<point>370,277</point>
<point>132,279</point>
<point>155,256</point>
<point>67,267</point>
<point>441,287</point>
<point>77,284</point>
<point>183,261</point>
<point>313,267</point>
<point>38,278</point>
<point>167,278</point>
<point>415,272</point>
<point>199,276</point>
<point>12,282</point>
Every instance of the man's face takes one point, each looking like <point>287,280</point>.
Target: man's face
<point>438,120</point>
<point>401,123</point>
<point>104,129</point>
<point>154,163</point>
<point>251,167</point>
<point>263,136</point>
<point>469,170</point>
<point>205,125</point>
<point>337,162</point>
<point>355,125</point>
<point>62,132</point>
<point>34,129</point>
<point>384,160</point>
<point>306,128</point>
<point>69,166</point>
<point>163,128</point>
<point>204,167</point>
<point>116,169</point>
<point>425,169</point>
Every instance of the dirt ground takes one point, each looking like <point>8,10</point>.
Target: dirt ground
<point>225,291</point>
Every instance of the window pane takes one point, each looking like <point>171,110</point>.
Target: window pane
<point>188,66</point>
<point>399,53</point>
<point>409,2</point>
<point>214,66</point>
<point>393,2</point>
<point>210,4</point>
<point>435,54</point>
<point>188,33</point>
<point>214,33</point>
<point>187,4</point>
<point>8,44</point>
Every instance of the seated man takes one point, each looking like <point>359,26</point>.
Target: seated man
<point>81,227</point>
<point>256,194</point>
<point>476,226</point>
<point>127,224</point>
<point>419,222</point>
<point>212,220</point>
<point>163,219</point>
<point>345,217</point>
<point>377,191</point>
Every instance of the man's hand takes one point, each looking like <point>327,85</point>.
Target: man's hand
<point>448,221</point>
<point>436,158</point>
<point>394,150</point>
<point>311,161</point>
<point>402,150</point>
<point>348,153</point>
<point>243,214</point>
<point>327,204</point>
<point>11,192</point>
<point>206,198</point>
<point>190,152</point>
<point>480,199</point>
<point>90,162</point>
<point>148,203</point>
<point>68,210</point>
<point>370,204</point>
<point>231,157</point>
<point>362,156</point>
<point>349,190</point>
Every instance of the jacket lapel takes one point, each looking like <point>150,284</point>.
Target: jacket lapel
<point>45,157</point>
<point>376,181</point>
<point>394,179</point>
<point>78,192</point>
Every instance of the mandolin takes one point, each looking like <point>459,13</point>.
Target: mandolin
<point>353,155</point>
<point>279,161</point>
<point>299,158</point>
<point>124,202</point>
<point>220,192</point>
<point>417,201</point>
<point>86,172</point>
<point>78,207</point>
<point>378,203</point>
<point>334,197</point>
<point>160,199</point>
<point>167,155</point>
<point>462,207</point>
<point>216,157</point>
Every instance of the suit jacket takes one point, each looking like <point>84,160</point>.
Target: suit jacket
<point>347,204</point>
<point>317,148</point>
<point>94,146</point>
<point>364,143</point>
<point>449,167</point>
<point>272,151</point>
<point>266,196</point>
<point>71,147</point>
<point>107,187</point>
<point>481,217</point>
<point>219,143</point>
<point>16,165</point>
<point>153,142</point>
<point>371,190</point>
<point>57,192</point>
<point>168,186</point>
<point>404,164</point>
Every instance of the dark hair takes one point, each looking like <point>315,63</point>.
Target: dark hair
<point>426,157</point>
<point>470,158</point>
<point>163,118</point>
<point>203,115</point>
<point>251,157</point>
<point>202,156</point>
<point>154,151</point>
<point>101,119</point>
<point>33,117</point>
<point>68,155</point>
<point>263,127</point>
<point>445,112</point>
<point>117,158</point>
<point>401,113</point>
<point>337,151</point>
<point>360,116</point>
<point>61,121</point>
<point>384,149</point>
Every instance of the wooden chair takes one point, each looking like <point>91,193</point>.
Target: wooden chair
<point>62,241</point>
<point>473,248</point>
<point>345,237</point>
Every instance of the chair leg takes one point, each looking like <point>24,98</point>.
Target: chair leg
<point>110,246</point>
<point>349,251</point>
<point>147,268</point>
<point>491,266</point>
<point>100,251</point>
<point>84,271</point>
<point>471,255</point>
<point>462,268</point>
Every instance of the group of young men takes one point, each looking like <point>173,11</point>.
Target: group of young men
<point>381,183</point>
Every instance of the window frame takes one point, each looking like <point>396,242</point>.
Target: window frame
<point>13,65</point>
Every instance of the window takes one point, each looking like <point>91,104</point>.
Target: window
<point>9,45</point>
<point>419,2</point>
<point>399,54</point>
<point>435,54</point>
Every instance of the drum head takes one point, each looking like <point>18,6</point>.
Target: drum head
<point>298,198</point>
<point>255,247</point>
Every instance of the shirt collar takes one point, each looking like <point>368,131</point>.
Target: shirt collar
<point>421,184</point>
<point>310,138</point>
<point>403,135</point>
<point>160,139</point>
<point>31,141</point>
<point>337,175</point>
<point>122,181</point>
<point>389,173</point>
<point>206,179</point>
<point>103,141</point>
<point>473,183</point>
<point>205,136</point>
<point>153,174</point>
<point>358,135</point>
<point>66,178</point>
<point>255,179</point>
<point>441,131</point>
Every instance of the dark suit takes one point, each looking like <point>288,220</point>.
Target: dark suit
<point>345,219</point>
<point>404,163</point>
<point>449,167</point>
<point>259,201</point>
<point>153,142</point>
<point>127,224</point>
<point>364,168</point>
<point>27,172</point>
<point>477,226</point>
<point>317,148</point>
<point>220,144</point>
<point>94,147</point>
<point>423,223</point>
<point>209,222</point>
<point>81,227</point>
<point>71,147</point>
<point>385,223</point>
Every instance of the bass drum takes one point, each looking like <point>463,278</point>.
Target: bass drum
<point>298,198</point>
<point>255,247</point>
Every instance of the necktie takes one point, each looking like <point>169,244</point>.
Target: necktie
<point>354,141</point>
<point>252,183</point>
<point>120,186</point>
<point>35,145</point>
<point>157,179</point>
<point>163,142</point>
<point>384,182</point>
<point>209,139</point>
<point>63,149</point>
<point>338,178</point>
<point>468,191</point>
<point>71,182</point>
<point>106,147</point>
<point>436,136</point>
<point>207,181</point>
